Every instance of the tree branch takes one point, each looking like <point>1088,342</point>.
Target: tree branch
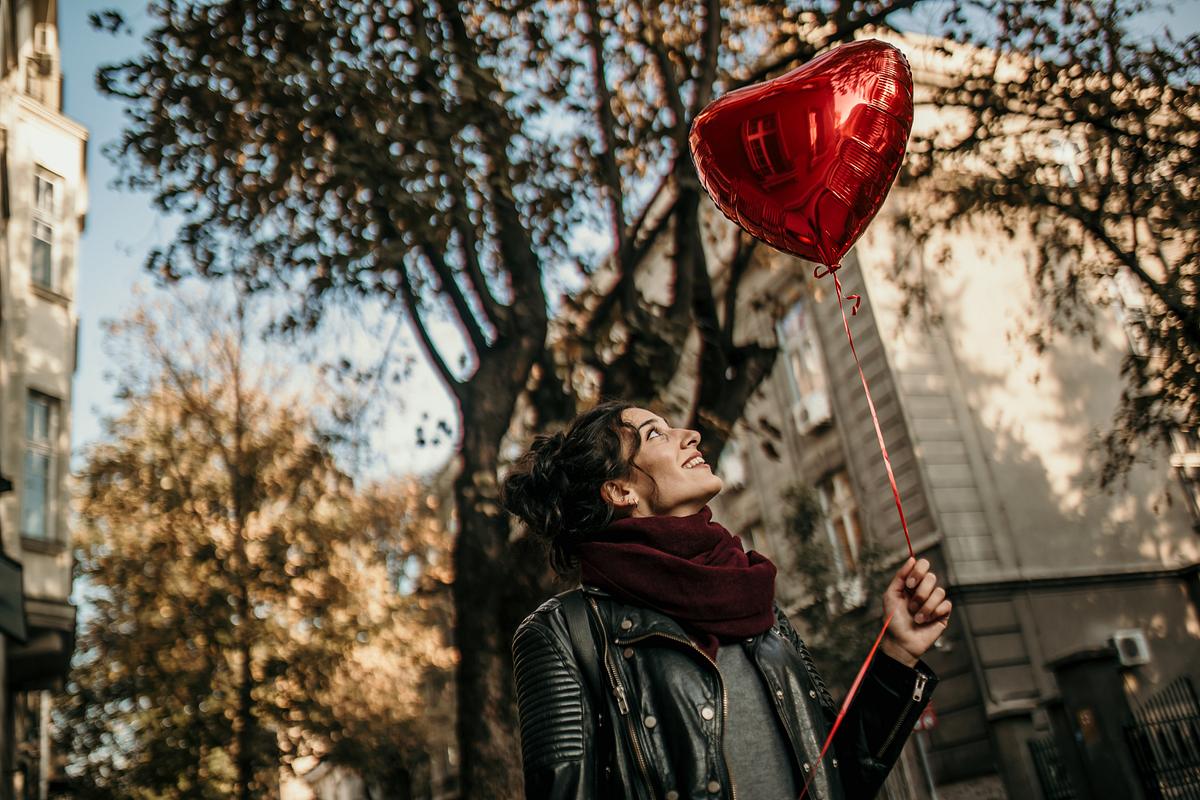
<point>691,266</point>
<point>1187,321</point>
<point>462,309</point>
<point>492,310</point>
<point>708,57</point>
<point>805,51</point>
<point>610,173</point>
<point>515,245</point>
<point>409,299</point>
<point>496,313</point>
<point>653,39</point>
<point>639,241</point>
<point>746,247</point>
<point>850,27</point>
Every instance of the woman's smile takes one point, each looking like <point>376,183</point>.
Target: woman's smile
<point>670,475</point>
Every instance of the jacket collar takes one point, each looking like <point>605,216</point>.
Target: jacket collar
<point>626,623</point>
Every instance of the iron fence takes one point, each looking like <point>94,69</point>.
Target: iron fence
<point>1052,775</point>
<point>1164,739</point>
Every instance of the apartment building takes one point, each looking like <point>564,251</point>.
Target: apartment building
<point>43,200</point>
<point>1077,621</point>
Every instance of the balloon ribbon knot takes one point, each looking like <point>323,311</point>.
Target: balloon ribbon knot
<point>823,270</point>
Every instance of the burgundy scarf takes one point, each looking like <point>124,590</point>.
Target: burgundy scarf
<point>691,569</point>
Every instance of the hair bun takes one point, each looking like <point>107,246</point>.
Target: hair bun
<point>547,460</point>
<point>554,487</point>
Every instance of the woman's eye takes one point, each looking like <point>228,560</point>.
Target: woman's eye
<point>652,432</point>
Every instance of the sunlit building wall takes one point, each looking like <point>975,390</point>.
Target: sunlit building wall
<point>43,199</point>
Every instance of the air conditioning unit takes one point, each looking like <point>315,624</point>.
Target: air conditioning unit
<point>1131,645</point>
<point>43,49</point>
<point>810,411</point>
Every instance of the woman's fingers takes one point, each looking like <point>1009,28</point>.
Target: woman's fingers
<point>918,596</point>
<point>916,574</point>
<point>901,574</point>
<point>942,612</point>
<point>926,612</point>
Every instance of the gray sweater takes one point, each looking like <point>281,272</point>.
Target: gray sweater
<point>755,744</point>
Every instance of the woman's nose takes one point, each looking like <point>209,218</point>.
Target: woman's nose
<point>690,437</point>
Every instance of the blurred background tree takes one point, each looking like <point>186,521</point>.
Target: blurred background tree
<point>840,606</point>
<point>244,607</point>
<point>439,159</point>
<point>1077,130</point>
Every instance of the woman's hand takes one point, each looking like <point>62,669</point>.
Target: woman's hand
<point>919,610</point>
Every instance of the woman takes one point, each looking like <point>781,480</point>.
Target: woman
<point>707,691</point>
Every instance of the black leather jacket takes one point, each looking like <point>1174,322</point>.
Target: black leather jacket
<point>666,704</point>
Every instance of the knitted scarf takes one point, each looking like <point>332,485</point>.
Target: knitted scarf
<point>691,569</point>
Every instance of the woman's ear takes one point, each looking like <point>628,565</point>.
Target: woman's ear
<point>619,495</point>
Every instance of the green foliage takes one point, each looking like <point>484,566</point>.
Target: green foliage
<point>840,617</point>
<point>239,616</point>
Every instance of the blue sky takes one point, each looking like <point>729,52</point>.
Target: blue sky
<point>122,227</point>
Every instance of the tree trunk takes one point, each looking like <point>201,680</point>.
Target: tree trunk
<point>489,583</point>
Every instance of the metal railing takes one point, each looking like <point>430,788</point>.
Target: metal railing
<point>1164,740</point>
<point>1052,775</point>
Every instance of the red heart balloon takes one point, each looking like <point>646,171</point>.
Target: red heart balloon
<point>804,161</point>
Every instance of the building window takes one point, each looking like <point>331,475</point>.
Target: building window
<point>1130,305</point>
<point>842,524</point>
<point>45,191</point>
<point>1129,297</point>
<point>806,374</point>
<point>37,502</point>
<point>1185,458</point>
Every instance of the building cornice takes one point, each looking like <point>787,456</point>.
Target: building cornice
<point>1071,580</point>
<point>51,116</point>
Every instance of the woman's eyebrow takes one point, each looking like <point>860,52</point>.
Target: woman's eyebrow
<point>651,421</point>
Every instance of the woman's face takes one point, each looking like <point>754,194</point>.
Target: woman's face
<point>670,477</point>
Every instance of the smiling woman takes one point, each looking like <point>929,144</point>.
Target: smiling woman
<point>703,677</point>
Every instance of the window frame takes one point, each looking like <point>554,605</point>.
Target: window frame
<point>46,218</point>
<point>839,505</point>
<point>1185,461</point>
<point>47,449</point>
<point>806,377</point>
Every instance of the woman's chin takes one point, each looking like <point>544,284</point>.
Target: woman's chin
<point>717,486</point>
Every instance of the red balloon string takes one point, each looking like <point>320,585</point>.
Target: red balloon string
<point>887,462</point>
<point>820,272</point>
<point>845,706</point>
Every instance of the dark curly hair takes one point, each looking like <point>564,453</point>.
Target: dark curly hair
<point>554,488</point>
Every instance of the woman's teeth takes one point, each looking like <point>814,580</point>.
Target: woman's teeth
<point>695,461</point>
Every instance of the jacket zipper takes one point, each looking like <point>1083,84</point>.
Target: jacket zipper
<point>623,703</point>
<point>724,695</point>
<point>918,693</point>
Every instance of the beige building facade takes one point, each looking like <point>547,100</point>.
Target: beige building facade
<point>43,201</point>
<point>1059,587</point>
